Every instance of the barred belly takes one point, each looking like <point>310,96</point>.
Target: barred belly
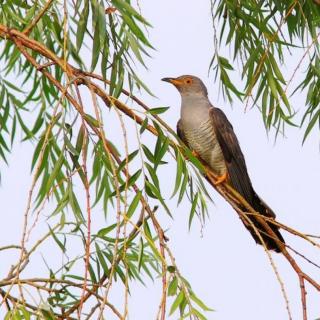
<point>203,140</point>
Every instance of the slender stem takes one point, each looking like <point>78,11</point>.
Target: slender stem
<point>29,28</point>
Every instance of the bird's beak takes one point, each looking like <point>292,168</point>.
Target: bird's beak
<point>173,81</point>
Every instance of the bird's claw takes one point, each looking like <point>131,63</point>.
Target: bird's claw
<point>195,154</point>
<point>221,179</point>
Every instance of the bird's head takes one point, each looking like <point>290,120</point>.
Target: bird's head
<point>188,85</point>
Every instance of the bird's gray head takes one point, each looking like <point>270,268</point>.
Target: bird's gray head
<point>188,85</point>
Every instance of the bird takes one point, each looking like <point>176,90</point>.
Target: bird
<point>207,132</point>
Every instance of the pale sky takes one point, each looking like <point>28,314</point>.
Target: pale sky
<point>224,266</point>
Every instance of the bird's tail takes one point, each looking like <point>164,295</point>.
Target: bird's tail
<point>256,228</point>
<point>262,208</point>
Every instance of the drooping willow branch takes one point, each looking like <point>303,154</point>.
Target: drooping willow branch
<point>78,77</point>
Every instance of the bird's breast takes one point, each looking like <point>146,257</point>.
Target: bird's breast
<point>201,138</point>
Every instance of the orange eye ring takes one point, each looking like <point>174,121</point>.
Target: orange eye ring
<point>188,81</point>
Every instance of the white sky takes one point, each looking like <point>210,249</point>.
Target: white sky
<point>225,267</point>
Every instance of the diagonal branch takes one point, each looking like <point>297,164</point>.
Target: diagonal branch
<point>29,28</point>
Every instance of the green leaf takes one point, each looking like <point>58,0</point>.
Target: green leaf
<point>95,47</point>
<point>61,245</point>
<point>101,16</point>
<point>272,84</point>
<point>133,205</point>
<point>132,179</point>
<point>265,104</point>
<point>26,314</point>
<point>82,25</point>
<point>180,169</point>
<point>193,209</point>
<point>179,299</point>
<point>135,47</point>
<point>92,274</point>
<point>56,169</point>
<point>127,184</point>
<point>48,314</point>
<point>225,63</point>
<point>69,146</point>
<point>199,302</point>
<point>173,286</point>
<point>101,259</point>
<point>161,151</point>
<point>104,59</point>
<point>148,153</point>
<point>158,110</point>
<point>311,124</point>
<point>144,125</point>
<point>151,242</point>
<point>123,5</point>
<point>275,68</point>
<point>12,86</point>
<point>183,187</point>
<point>198,314</point>
<point>135,29</point>
<point>25,129</point>
<point>74,204</point>
<point>157,194</point>
<point>127,160</point>
<point>153,176</point>
<point>61,205</point>
<point>91,120</point>
<point>105,231</point>
<point>141,253</point>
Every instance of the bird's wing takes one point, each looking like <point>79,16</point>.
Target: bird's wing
<point>232,154</point>
<point>180,133</point>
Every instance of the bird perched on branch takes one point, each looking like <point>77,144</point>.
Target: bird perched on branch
<point>207,132</point>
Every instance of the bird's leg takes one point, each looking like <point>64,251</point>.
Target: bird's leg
<point>221,179</point>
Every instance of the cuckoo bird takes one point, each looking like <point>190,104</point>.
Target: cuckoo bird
<point>207,132</point>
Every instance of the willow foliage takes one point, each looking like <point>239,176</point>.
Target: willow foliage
<point>66,86</point>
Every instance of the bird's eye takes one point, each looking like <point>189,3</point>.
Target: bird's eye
<point>188,81</point>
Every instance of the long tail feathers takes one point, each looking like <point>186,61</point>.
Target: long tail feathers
<point>262,208</point>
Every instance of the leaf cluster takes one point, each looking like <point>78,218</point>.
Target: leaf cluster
<point>81,170</point>
<point>260,34</point>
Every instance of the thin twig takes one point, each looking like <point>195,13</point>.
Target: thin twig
<point>37,18</point>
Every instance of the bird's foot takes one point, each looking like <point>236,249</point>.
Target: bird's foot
<point>195,154</point>
<point>221,179</point>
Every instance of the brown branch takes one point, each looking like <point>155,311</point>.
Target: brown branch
<point>107,145</point>
<point>229,194</point>
<point>101,134</point>
<point>303,297</point>
<point>302,276</point>
<point>125,205</point>
<point>5,299</point>
<point>19,267</point>
<point>303,256</point>
<point>88,208</point>
<point>13,246</point>
<point>37,18</point>
<point>128,94</point>
<point>34,281</point>
<point>14,301</point>
<point>45,65</point>
<point>93,310</point>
